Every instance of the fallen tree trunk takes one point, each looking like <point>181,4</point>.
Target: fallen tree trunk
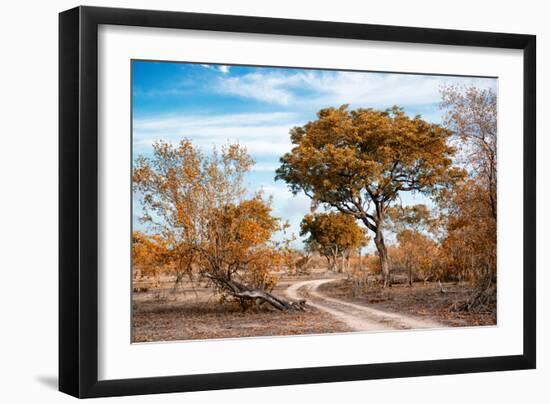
<point>277,302</point>
<point>244,292</point>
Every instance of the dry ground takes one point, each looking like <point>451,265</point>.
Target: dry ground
<point>421,300</point>
<point>189,313</point>
<point>359,317</point>
<point>163,314</point>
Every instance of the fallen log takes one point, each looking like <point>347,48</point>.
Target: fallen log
<point>277,302</point>
<point>244,292</point>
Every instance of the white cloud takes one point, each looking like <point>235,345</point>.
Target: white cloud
<point>265,167</point>
<point>279,192</point>
<point>284,202</point>
<point>288,207</point>
<point>221,68</point>
<point>260,133</point>
<point>337,87</point>
<point>268,87</point>
<point>168,122</point>
<point>224,69</point>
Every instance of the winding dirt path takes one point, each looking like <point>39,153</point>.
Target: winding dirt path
<point>357,317</point>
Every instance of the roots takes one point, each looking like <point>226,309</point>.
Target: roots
<point>483,300</point>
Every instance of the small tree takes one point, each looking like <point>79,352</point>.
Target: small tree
<point>417,253</point>
<point>149,255</point>
<point>416,250</point>
<point>360,161</point>
<point>471,114</point>
<point>332,235</point>
<point>293,260</point>
<point>470,243</point>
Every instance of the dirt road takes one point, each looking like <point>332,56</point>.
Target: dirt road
<point>357,317</point>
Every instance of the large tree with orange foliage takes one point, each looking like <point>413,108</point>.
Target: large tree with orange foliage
<point>360,161</point>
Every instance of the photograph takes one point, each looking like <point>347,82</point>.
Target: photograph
<point>272,201</point>
<point>281,202</point>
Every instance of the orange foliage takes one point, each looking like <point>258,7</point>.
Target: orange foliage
<point>201,220</point>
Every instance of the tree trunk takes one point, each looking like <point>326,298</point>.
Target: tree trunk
<point>275,301</point>
<point>244,292</point>
<point>346,261</point>
<point>383,255</point>
<point>334,267</point>
<point>329,264</point>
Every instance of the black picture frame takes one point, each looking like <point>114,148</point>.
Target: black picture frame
<point>78,201</point>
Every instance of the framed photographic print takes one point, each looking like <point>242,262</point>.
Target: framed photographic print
<point>251,201</point>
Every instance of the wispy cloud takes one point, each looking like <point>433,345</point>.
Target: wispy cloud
<point>290,208</point>
<point>260,133</point>
<point>224,69</point>
<point>162,92</point>
<point>220,68</point>
<point>287,202</point>
<point>265,167</point>
<point>335,87</point>
<point>267,87</point>
<point>185,121</point>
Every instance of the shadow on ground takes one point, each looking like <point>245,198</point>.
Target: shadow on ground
<point>48,381</point>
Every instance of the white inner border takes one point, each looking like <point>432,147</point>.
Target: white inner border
<point>120,359</point>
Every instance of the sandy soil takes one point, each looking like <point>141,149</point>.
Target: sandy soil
<point>357,317</point>
<point>423,301</point>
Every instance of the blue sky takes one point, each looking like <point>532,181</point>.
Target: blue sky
<point>256,106</point>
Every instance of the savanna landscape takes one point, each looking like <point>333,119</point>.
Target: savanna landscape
<point>273,202</point>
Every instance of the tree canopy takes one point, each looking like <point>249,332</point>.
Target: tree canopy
<point>360,161</point>
<point>332,234</point>
<point>471,114</point>
<point>197,206</point>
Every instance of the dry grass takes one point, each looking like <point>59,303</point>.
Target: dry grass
<point>422,300</point>
<point>166,315</point>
